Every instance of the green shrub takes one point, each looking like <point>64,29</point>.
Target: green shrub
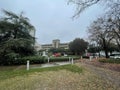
<point>34,60</point>
<point>23,61</point>
<point>57,59</point>
<point>9,59</point>
<point>117,61</point>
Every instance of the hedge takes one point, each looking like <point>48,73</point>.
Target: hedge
<point>117,61</point>
<point>58,59</point>
<point>35,60</point>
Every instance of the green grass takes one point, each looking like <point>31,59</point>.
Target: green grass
<point>10,73</point>
<point>66,77</point>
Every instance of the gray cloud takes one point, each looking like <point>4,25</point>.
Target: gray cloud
<point>52,18</point>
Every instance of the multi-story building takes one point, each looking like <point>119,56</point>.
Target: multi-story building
<point>55,44</point>
<point>37,46</point>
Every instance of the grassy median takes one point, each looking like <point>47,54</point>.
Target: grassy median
<point>66,77</point>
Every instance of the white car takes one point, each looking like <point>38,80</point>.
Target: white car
<point>115,56</point>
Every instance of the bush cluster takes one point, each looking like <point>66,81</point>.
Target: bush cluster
<point>55,59</point>
<point>117,61</point>
<point>34,60</point>
<point>23,60</point>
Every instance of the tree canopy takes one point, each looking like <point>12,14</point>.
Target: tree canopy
<point>99,32</point>
<point>106,29</point>
<point>78,46</point>
<point>15,38</point>
<point>82,5</point>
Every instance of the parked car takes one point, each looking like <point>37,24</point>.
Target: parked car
<point>56,54</point>
<point>115,56</point>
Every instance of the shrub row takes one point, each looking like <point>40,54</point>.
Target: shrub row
<point>23,61</point>
<point>35,60</point>
<point>58,59</point>
<point>117,61</point>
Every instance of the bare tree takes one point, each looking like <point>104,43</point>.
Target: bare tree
<point>114,27</point>
<point>114,15</point>
<point>81,5</point>
<point>99,32</point>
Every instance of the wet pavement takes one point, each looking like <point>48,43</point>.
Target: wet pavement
<point>51,64</point>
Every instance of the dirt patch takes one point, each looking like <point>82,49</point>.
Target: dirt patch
<point>94,62</point>
<point>107,72</point>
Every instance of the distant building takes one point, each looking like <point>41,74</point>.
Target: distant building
<point>55,44</point>
<point>37,46</point>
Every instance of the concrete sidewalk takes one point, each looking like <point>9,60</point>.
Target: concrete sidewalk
<point>51,64</point>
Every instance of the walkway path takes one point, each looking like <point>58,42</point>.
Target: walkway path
<point>104,73</point>
<point>50,64</point>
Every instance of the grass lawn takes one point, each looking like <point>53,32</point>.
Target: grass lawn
<point>67,77</point>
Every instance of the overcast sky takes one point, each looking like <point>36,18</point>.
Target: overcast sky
<point>52,18</point>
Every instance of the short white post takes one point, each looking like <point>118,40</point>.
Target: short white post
<point>28,65</point>
<point>81,57</point>
<point>96,57</point>
<point>90,58</point>
<point>72,60</point>
<point>48,59</point>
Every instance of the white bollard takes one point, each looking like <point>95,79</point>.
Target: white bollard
<point>81,57</point>
<point>90,58</point>
<point>28,65</point>
<point>48,59</point>
<point>72,61</point>
<point>96,57</point>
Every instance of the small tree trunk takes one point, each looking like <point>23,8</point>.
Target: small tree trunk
<point>105,47</point>
<point>106,53</point>
<point>99,53</point>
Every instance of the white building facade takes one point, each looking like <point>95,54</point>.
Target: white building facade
<point>55,44</point>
